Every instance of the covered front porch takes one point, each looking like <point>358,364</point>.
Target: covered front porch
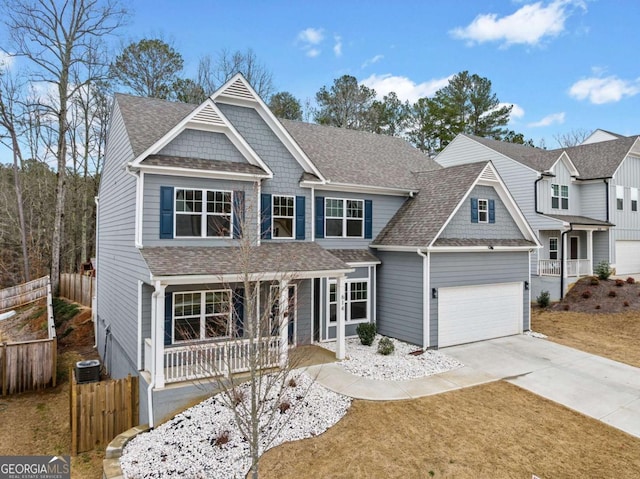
<point>205,326</point>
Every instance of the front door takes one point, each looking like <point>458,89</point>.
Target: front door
<point>574,247</point>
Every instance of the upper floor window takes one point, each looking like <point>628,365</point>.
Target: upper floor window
<point>344,218</point>
<point>201,315</point>
<point>620,197</point>
<point>634,199</point>
<point>483,211</point>
<point>203,213</point>
<point>283,216</point>
<point>559,197</point>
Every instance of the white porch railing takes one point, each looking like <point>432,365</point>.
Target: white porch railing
<point>575,267</point>
<point>206,360</point>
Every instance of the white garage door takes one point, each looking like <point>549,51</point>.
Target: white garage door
<point>474,313</point>
<point>627,257</point>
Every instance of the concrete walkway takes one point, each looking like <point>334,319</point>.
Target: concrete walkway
<point>597,387</point>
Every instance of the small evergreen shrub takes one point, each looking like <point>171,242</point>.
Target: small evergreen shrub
<point>597,306</point>
<point>385,347</point>
<point>626,304</point>
<point>631,280</point>
<point>366,333</point>
<point>292,383</point>
<point>544,299</point>
<point>603,270</point>
<point>619,283</point>
<point>612,294</point>
<point>594,281</point>
<point>565,307</point>
<point>221,439</point>
<point>586,294</point>
<point>284,406</point>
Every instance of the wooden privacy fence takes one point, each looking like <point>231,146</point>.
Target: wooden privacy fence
<point>24,293</point>
<point>28,365</point>
<point>77,287</point>
<point>101,410</point>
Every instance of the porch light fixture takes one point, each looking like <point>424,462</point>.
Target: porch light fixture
<point>434,293</point>
<point>526,285</point>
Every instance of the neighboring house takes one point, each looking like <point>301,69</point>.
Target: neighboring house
<point>581,201</point>
<point>345,226</point>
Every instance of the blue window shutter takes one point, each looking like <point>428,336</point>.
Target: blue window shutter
<point>168,316</point>
<point>265,208</point>
<point>238,311</point>
<point>166,212</point>
<point>238,213</point>
<point>474,210</point>
<point>368,219</point>
<point>300,217</point>
<point>492,211</point>
<point>319,216</point>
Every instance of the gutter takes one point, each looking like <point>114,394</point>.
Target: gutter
<point>426,290</point>
<point>562,237</point>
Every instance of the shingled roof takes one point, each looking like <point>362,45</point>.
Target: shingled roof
<point>358,157</point>
<point>535,158</point>
<point>201,164</point>
<point>419,219</point>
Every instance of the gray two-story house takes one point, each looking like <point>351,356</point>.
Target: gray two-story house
<point>198,203</point>
<point>581,201</point>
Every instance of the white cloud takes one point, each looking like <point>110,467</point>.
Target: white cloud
<point>405,88</point>
<point>552,119</point>
<point>528,25</point>
<point>371,61</point>
<point>313,52</point>
<point>516,111</point>
<point>337,47</point>
<point>311,36</point>
<point>604,90</point>
<point>6,60</point>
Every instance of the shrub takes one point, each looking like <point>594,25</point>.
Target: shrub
<point>597,306</point>
<point>237,396</point>
<point>613,294</point>
<point>221,439</point>
<point>619,283</point>
<point>603,270</point>
<point>565,307</point>
<point>284,406</point>
<point>544,299</point>
<point>292,383</point>
<point>594,281</point>
<point>586,294</point>
<point>385,347</point>
<point>631,280</point>
<point>626,303</point>
<point>366,333</point>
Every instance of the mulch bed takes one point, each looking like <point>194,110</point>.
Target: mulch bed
<point>593,295</point>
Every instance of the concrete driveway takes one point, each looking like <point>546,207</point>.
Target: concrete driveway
<point>595,386</point>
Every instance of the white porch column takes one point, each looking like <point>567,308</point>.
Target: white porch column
<point>157,337</point>
<point>590,251</point>
<point>340,333</point>
<point>283,321</point>
<point>565,253</point>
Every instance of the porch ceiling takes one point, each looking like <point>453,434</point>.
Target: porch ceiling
<point>286,258</point>
<point>581,220</point>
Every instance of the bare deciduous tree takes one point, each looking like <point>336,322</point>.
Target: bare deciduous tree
<point>571,138</point>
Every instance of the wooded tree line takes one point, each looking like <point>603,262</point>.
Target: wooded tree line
<point>54,109</point>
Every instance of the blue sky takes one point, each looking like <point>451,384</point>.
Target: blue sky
<point>564,64</point>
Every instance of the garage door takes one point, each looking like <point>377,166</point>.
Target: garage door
<point>474,313</point>
<point>627,257</point>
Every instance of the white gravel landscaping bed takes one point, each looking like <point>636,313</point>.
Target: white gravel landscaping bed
<point>533,334</point>
<point>185,446</point>
<point>365,361</point>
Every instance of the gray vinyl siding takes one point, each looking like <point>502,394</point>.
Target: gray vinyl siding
<point>399,296</point>
<point>627,222</point>
<point>287,172</point>
<point>461,226</point>
<point>383,208</point>
<point>151,208</point>
<point>550,284</point>
<point>563,177</point>
<point>147,291</point>
<point>466,269</point>
<point>205,145</point>
<point>304,322</point>
<point>600,247</point>
<point>120,264</point>
<point>593,200</point>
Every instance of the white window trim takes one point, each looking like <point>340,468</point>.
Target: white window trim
<point>485,210</point>
<point>619,198</point>
<point>556,250</point>
<point>344,217</point>
<point>577,248</point>
<point>202,315</point>
<point>273,217</point>
<point>347,303</point>
<point>559,196</point>
<point>203,214</point>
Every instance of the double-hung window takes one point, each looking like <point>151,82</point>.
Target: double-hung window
<point>620,197</point>
<point>356,304</point>
<point>559,197</point>
<point>483,211</point>
<point>283,217</point>
<point>553,248</point>
<point>202,315</point>
<point>203,213</point>
<point>634,199</point>
<point>344,218</point>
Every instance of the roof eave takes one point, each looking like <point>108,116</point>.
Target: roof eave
<point>240,277</point>
<point>192,172</point>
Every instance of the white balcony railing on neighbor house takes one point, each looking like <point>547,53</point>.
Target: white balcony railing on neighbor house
<point>206,360</point>
<point>575,267</point>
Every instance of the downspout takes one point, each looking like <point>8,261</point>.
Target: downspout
<point>95,305</point>
<point>563,260</point>
<point>535,194</point>
<point>606,196</point>
<point>426,291</point>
